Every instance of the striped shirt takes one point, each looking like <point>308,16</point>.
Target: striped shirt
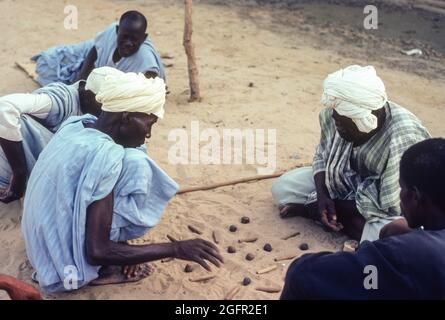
<point>369,173</point>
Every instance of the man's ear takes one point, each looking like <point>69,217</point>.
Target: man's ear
<point>145,36</point>
<point>418,196</point>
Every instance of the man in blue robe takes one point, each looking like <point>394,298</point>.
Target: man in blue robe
<point>91,189</point>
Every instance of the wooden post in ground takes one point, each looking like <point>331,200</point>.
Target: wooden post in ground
<point>190,52</point>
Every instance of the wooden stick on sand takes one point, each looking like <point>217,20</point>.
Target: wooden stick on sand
<point>237,181</point>
<point>231,294</point>
<point>266,270</point>
<point>201,279</point>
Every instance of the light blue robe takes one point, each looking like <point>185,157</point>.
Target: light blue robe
<point>63,63</point>
<point>78,167</point>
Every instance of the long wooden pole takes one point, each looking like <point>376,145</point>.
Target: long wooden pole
<point>195,94</point>
<point>237,181</point>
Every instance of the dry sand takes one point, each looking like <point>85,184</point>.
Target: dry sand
<point>286,58</point>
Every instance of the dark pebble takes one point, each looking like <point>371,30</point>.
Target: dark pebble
<point>231,249</point>
<point>304,246</point>
<point>250,257</point>
<point>245,220</point>
<point>188,268</point>
<point>233,228</point>
<point>246,281</point>
<point>267,247</point>
<point>251,84</point>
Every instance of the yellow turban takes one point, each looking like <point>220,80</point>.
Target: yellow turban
<point>132,92</point>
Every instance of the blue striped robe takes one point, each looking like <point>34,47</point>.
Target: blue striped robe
<point>78,167</point>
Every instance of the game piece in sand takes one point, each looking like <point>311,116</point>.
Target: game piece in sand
<point>233,228</point>
<point>216,237</point>
<point>266,270</point>
<point>251,239</point>
<point>188,268</point>
<point>285,257</point>
<point>269,289</point>
<point>202,279</point>
<point>246,281</point>
<point>231,294</point>
<point>294,234</point>
<point>245,220</point>
<point>267,247</point>
<point>250,256</point>
<point>304,246</point>
<point>194,230</point>
<point>231,249</point>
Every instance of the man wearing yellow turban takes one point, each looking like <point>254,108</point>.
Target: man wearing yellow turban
<point>94,187</point>
<point>353,182</point>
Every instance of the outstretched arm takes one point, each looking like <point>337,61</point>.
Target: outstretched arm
<point>100,250</point>
<point>18,290</point>
<point>16,157</point>
<point>88,64</point>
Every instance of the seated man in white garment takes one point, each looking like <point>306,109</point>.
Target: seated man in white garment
<point>124,46</point>
<point>91,189</point>
<point>28,121</point>
<point>353,182</point>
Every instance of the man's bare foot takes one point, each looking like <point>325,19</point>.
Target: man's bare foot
<point>118,274</point>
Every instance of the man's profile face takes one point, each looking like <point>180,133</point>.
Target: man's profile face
<point>130,36</point>
<point>346,128</point>
<point>135,128</point>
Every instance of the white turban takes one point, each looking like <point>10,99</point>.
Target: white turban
<point>132,92</point>
<point>354,92</point>
<point>97,77</point>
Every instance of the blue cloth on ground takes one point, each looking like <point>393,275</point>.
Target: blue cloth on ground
<point>61,63</point>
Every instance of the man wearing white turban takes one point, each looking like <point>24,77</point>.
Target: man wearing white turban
<point>94,187</point>
<point>28,120</point>
<point>353,182</point>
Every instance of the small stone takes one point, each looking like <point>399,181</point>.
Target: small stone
<point>231,249</point>
<point>245,220</point>
<point>233,228</point>
<point>188,268</point>
<point>246,281</point>
<point>251,84</point>
<point>250,257</point>
<point>267,247</point>
<point>304,246</point>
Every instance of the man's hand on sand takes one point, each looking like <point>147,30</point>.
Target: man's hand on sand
<point>328,214</point>
<point>198,250</point>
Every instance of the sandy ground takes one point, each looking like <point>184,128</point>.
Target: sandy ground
<point>260,68</point>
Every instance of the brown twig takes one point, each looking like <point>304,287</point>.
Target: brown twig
<point>231,294</point>
<point>201,279</point>
<point>194,229</point>
<point>294,234</point>
<point>269,289</point>
<point>237,181</point>
<point>266,270</point>
<point>216,237</point>
<point>251,239</point>
<point>285,257</point>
